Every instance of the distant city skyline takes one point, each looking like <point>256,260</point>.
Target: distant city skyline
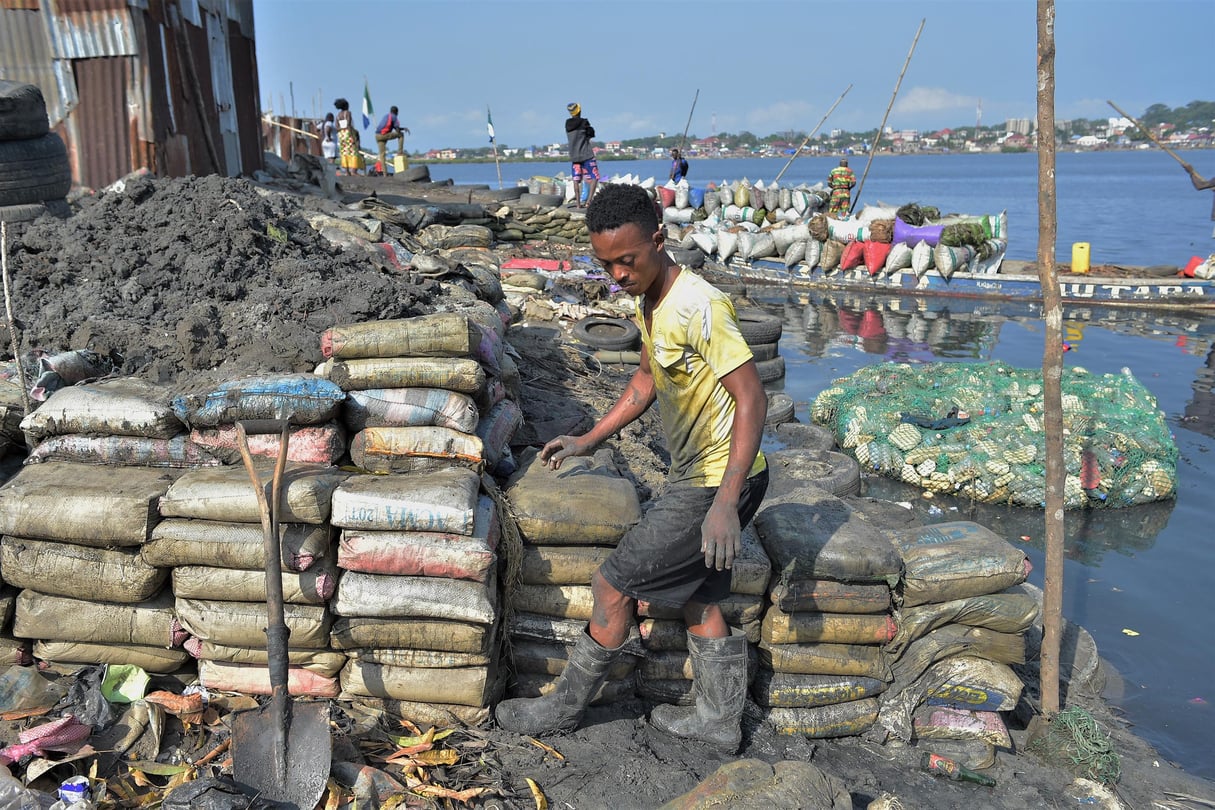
<point>765,66</point>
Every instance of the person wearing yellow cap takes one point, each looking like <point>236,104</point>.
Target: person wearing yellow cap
<point>579,132</point>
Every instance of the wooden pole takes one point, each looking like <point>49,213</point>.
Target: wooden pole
<point>1052,362</point>
<point>12,322</point>
<point>493,142</point>
<point>1148,133</point>
<point>882,126</point>
<point>812,134</point>
<point>689,124</point>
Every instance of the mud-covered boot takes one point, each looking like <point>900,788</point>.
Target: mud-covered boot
<point>562,708</point>
<point>719,686</point>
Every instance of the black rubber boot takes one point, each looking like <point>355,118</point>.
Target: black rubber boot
<point>719,686</point>
<point>561,709</point>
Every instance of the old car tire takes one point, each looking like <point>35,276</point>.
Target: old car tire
<point>771,370</point>
<point>34,170</point>
<point>687,257</point>
<point>780,409</point>
<point>21,213</point>
<point>542,200</point>
<point>759,327</point>
<point>22,111</point>
<point>607,333</point>
<point>765,351</point>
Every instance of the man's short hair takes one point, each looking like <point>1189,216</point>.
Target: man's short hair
<point>619,204</point>
<point>393,110</point>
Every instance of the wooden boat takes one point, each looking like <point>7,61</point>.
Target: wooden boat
<point>1012,280</point>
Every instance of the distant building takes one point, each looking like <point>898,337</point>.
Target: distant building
<point>1020,126</point>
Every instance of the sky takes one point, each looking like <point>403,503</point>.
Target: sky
<point>763,66</point>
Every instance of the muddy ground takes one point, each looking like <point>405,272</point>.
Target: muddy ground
<point>204,279</point>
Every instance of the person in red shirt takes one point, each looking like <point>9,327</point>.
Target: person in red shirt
<point>389,129</point>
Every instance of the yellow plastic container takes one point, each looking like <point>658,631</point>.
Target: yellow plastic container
<point>400,163</point>
<point>1080,257</point>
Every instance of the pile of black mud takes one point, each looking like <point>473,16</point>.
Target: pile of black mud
<point>195,280</point>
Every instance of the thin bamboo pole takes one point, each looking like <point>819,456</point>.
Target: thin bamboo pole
<point>1052,362</point>
<point>1148,133</point>
<point>882,126</point>
<point>493,142</point>
<point>813,132</point>
<point>688,126</point>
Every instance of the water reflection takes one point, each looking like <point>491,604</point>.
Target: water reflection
<point>1200,411</point>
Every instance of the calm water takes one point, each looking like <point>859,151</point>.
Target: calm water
<point>1147,570</point>
<point>1135,208</point>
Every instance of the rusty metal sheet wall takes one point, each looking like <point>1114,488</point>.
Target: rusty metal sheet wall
<point>104,144</point>
<point>248,108</point>
<point>25,56</point>
<point>92,33</point>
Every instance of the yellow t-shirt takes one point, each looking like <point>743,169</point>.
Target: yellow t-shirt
<point>694,342</point>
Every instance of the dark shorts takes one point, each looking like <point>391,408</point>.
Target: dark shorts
<point>659,560</point>
<point>587,169</point>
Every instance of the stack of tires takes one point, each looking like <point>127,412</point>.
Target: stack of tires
<point>34,169</point>
<point>762,332</point>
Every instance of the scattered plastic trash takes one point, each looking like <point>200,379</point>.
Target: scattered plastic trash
<point>1126,631</point>
<point>124,683</point>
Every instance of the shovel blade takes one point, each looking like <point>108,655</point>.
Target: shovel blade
<point>307,753</point>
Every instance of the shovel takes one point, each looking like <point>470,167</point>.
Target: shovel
<point>282,748</point>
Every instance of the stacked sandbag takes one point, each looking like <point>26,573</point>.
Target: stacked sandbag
<point>72,534</point>
<point>417,604</point>
<point>13,650</point>
<point>423,392</point>
<point>821,660</point>
<point>12,411</point>
<point>211,532</point>
<point>569,520</point>
<point>665,675</point>
<point>962,622</point>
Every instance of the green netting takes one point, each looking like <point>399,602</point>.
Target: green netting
<point>975,430</point>
<point>1074,741</point>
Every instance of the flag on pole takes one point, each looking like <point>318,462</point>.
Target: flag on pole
<point>490,124</point>
<point>367,110</point>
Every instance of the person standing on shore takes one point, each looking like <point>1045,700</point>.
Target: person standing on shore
<point>1202,185</point>
<point>679,166</point>
<point>350,160</point>
<point>841,180</point>
<point>579,132</point>
<point>387,130</point>
<point>329,144</point>
<point>696,365</point>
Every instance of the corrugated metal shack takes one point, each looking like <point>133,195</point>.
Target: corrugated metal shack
<point>164,85</point>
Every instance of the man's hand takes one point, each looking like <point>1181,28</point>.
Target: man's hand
<point>720,536</point>
<point>562,447</point>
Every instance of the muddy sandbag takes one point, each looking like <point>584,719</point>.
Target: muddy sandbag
<point>826,659</point>
<point>738,609</point>
<point>322,662</point>
<point>233,545</point>
<point>676,691</point>
<point>124,407</point>
<point>408,449</point>
<point>312,587</point>
<point>968,682</point>
<point>586,502</point>
<point>938,723</point>
<point>790,690</point>
<point>83,504</point>
<point>497,428</point>
<point>226,494</point>
<point>551,658</point>
<point>955,560</point>
<point>465,686</point>
<point>179,452</point>
<point>667,665</point>
<point>152,623</point>
<point>434,501</point>
<point>405,407</point>
<point>422,597</point>
<point>821,722</point>
<point>560,601</point>
<point>751,784</point>
<point>535,684</point>
<point>440,334</point>
<point>243,624</point>
<point>1009,612</point>
<point>425,554</point>
<point>254,679</point>
<point>303,399</point>
<point>309,444</point>
<point>830,596</point>
<point>561,565</point>
<point>150,659</point>
<point>426,659</point>
<point>14,652</point>
<point>458,374</point>
<point>67,569</point>
<point>804,627</point>
<point>354,632</point>
<point>752,569</point>
<point>563,631</point>
<point>441,715</point>
<point>825,541</point>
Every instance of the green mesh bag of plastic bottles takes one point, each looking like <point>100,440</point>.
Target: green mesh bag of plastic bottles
<point>975,430</point>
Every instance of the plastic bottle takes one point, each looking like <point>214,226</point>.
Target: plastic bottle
<point>17,796</point>
<point>942,766</point>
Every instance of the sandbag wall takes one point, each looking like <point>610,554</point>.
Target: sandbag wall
<point>962,623</point>
<point>831,611</point>
<point>211,534</point>
<point>74,529</point>
<point>570,520</point>
<point>418,600</point>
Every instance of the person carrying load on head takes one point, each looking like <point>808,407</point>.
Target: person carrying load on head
<point>389,129</point>
<point>579,132</point>
<point>840,180</point>
<point>696,365</point>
